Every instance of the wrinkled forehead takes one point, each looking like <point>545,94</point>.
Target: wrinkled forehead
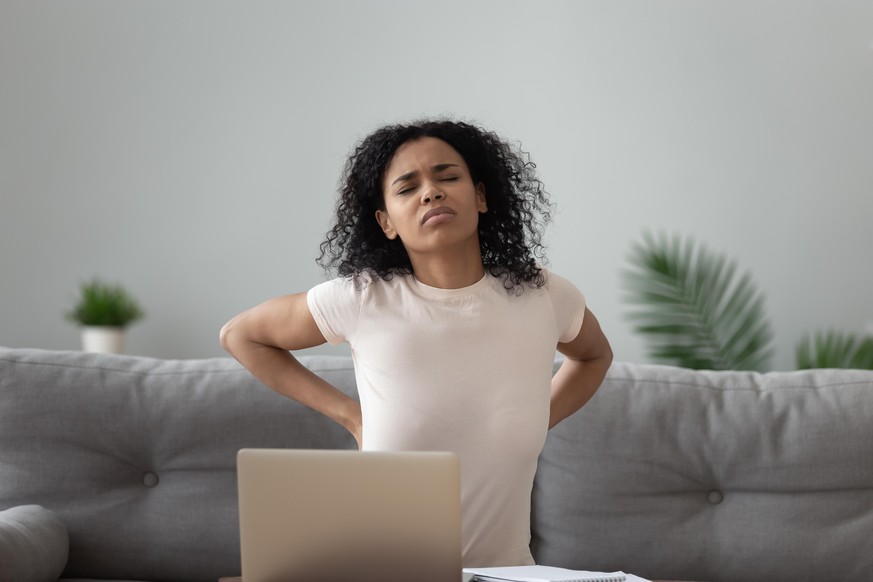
<point>418,154</point>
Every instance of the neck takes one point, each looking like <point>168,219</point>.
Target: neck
<point>448,271</point>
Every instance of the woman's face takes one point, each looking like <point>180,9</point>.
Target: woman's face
<point>431,203</point>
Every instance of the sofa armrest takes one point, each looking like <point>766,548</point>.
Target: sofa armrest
<point>34,545</point>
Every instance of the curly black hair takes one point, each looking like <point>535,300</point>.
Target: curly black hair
<point>510,233</point>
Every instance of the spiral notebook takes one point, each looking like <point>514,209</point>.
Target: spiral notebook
<point>541,574</point>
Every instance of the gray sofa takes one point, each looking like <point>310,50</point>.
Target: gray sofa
<point>123,468</point>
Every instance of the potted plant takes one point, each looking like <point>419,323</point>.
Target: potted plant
<point>104,310</point>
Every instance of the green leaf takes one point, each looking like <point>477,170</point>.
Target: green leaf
<point>693,309</point>
<point>834,349</point>
<point>104,304</point>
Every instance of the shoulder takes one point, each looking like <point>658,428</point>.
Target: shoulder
<point>563,293</point>
<point>356,283</point>
<point>553,279</point>
<point>338,291</point>
<point>337,304</point>
<point>556,284</point>
<point>362,286</point>
<point>568,303</point>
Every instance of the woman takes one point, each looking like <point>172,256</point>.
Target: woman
<point>452,323</point>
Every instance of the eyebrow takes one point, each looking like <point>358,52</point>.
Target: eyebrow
<point>436,168</point>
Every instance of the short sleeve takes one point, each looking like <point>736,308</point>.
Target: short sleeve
<point>336,306</point>
<point>568,304</point>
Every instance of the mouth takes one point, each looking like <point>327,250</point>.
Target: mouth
<point>434,214</point>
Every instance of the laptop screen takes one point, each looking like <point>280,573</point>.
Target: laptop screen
<point>330,516</point>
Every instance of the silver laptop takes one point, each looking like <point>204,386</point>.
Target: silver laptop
<point>337,516</point>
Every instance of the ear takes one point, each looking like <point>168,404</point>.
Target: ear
<point>385,223</point>
<point>481,203</point>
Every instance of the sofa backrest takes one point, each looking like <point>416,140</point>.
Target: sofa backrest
<point>735,476</point>
<point>137,456</point>
<point>665,473</point>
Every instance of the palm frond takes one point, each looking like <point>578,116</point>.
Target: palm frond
<point>834,349</point>
<point>693,309</point>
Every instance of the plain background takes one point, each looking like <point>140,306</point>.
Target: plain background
<point>190,150</point>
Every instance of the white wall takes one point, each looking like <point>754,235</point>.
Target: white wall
<point>191,150</point>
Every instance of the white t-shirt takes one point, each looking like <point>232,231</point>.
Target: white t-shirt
<point>464,370</point>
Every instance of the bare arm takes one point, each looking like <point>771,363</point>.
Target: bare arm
<point>588,358</point>
<point>260,339</point>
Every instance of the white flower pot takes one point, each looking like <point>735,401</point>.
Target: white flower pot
<point>103,339</point>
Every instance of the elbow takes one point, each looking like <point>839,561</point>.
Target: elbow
<point>608,356</point>
<point>226,335</point>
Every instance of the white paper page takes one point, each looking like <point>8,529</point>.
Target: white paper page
<point>545,574</point>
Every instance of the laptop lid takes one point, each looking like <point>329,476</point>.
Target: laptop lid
<point>331,516</point>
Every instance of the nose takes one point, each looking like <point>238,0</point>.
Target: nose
<point>431,194</point>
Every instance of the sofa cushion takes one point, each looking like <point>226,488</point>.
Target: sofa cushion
<point>138,455</point>
<point>677,474</point>
<point>33,545</point>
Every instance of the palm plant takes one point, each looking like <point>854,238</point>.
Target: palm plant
<point>834,349</point>
<point>693,309</point>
